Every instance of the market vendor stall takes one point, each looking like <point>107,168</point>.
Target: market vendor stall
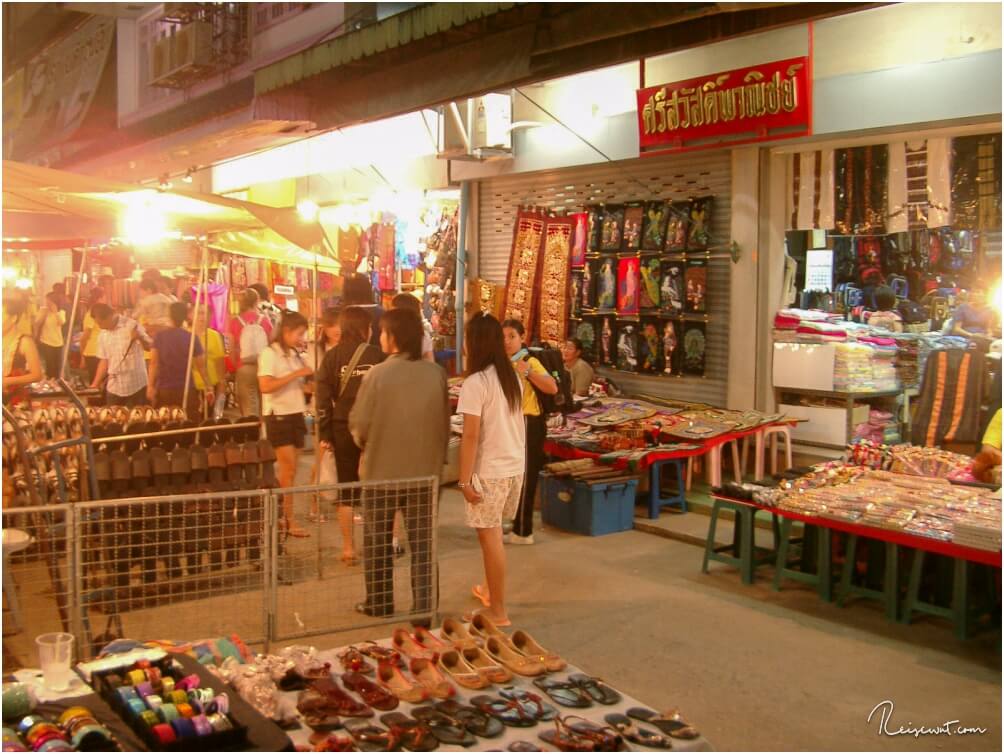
<point>357,697</point>
<point>640,437</point>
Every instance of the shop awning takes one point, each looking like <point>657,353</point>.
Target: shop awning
<point>399,29</point>
<point>44,205</point>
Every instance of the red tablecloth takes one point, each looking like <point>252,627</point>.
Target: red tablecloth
<point>927,544</point>
<point>563,450</point>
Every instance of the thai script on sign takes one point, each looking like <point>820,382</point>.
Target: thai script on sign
<point>771,95</point>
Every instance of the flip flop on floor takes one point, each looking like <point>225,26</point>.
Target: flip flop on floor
<point>531,703</point>
<point>449,730</point>
<point>370,737</point>
<point>670,723</point>
<point>414,735</point>
<point>565,693</point>
<point>637,735</point>
<point>476,721</point>
<point>564,738</point>
<point>604,737</point>
<point>505,711</point>
<point>596,689</point>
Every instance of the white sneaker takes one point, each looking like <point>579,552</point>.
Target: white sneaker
<point>515,539</point>
<point>506,539</point>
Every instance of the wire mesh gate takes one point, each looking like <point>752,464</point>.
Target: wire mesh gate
<point>201,565</point>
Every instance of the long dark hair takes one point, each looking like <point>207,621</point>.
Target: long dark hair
<point>290,321</point>
<point>355,322</point>
<point>485,348</point>
<point>329,318</point>
<point>357,290</point>
<point>406,329</point>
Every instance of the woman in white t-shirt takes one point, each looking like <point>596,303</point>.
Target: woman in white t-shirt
<point>492,451</point>
<point>280,377</point>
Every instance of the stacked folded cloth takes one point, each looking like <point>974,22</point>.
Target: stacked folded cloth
<point>790,319</point>
<point>880,429</point>
<point>788,324</point>
<point>821,332</point>
<point>852,368</point>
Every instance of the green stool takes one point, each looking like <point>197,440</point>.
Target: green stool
<point>888,594</point>
<point>822,579</point>
<point>958,613</point>
<point>744,554</point>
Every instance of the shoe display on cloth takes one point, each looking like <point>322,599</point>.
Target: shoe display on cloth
<point>457,634</point>
<point>512,660</point>
<point>453,665</point>
<point>429,676</point>
<point>515,539</point>
<point>392,679</point>
<point>526,644</point>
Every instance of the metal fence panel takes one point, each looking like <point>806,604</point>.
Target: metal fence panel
<point>185,566</point>
<point>317,591</point>
<point>38,576</point>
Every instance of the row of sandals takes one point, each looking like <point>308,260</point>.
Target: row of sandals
<point>421,669</point>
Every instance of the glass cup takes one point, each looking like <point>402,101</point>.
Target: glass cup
<point>55,653</point>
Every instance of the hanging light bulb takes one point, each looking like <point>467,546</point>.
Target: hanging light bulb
<point>308,210</point>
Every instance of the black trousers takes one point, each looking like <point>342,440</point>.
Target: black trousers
<point>347,456</point>
<point>51,360</point>
<point>536,434</point>
<point>92,367</point>
<point>379,506</point>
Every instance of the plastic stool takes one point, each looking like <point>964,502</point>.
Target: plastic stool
<point>888,594</point>
<point>744,555</point>
<point>714,470</point>
<point>958,613</point>
<point>760,442</point>
<point>655,499</point>
<point>822,579</point>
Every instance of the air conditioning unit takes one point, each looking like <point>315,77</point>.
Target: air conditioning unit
<point>193,46</point>
<point>479,128</point>
<point>160,60</point>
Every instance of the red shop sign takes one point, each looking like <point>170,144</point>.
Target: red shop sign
<point>768,101</point>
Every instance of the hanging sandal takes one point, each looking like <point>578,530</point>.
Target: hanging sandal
<point>505,711</point>
<point>454,665</point>
<point>596,689</point>
<point>524,643</point>
<point>375,696</point>
<point>476,721</point>
<point>508,657</point>
<point>391,678</point>
<point>415,735</point>
<point>563,692</point>
<point>370,737</point>
<point>449,730</point>
<point>428,675</point>
<point>531,703</point>
<point>456,633</point>
<point>638,735</point>
<point>489,669</point>
<point>670,723</point>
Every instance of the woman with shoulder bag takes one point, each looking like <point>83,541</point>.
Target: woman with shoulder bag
<point>281,372</point>
<point>338,380</point>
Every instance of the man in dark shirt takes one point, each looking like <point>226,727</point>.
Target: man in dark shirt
<point>169,365</point>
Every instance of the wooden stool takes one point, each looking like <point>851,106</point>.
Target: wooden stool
<point>744,552</point>
<point>655,500</point>
<point>958,613</point>
<point>888,594</point>
<point>822,579</point>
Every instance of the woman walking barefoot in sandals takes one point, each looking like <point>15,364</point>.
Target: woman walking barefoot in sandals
<point>492,451</point>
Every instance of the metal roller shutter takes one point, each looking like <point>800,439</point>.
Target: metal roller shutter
<point>671,177</point>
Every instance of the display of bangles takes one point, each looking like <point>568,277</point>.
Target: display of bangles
<point>163,708</point>
<point>76,730</point>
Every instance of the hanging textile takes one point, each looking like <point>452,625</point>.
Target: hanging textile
<point>861,189</point>
<point>553,308</point>
<point>976,182</point>
<point>521,280</point>
<point>810,198</point>
<point>348,246</point>
<point>238,273</point>
<point>217,304</point>
<point>918,185</point>
<point>948,407</point>
<point>488,297</point>
<point>386,253</point>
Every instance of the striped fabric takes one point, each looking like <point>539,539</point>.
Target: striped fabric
<point>810,198</point>
<point>948,408</point>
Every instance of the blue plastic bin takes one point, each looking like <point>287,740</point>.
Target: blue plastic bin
<point>593,509</point>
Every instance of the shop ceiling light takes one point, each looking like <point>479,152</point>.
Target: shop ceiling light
<point>9,273</point>
<point>308,210</point>
<point>143,223</point>
<point>23,283</point>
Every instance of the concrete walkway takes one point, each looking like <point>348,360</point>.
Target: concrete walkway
<point>753,669</point>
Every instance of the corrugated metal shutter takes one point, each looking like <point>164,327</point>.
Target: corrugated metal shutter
<point>672,177</point>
